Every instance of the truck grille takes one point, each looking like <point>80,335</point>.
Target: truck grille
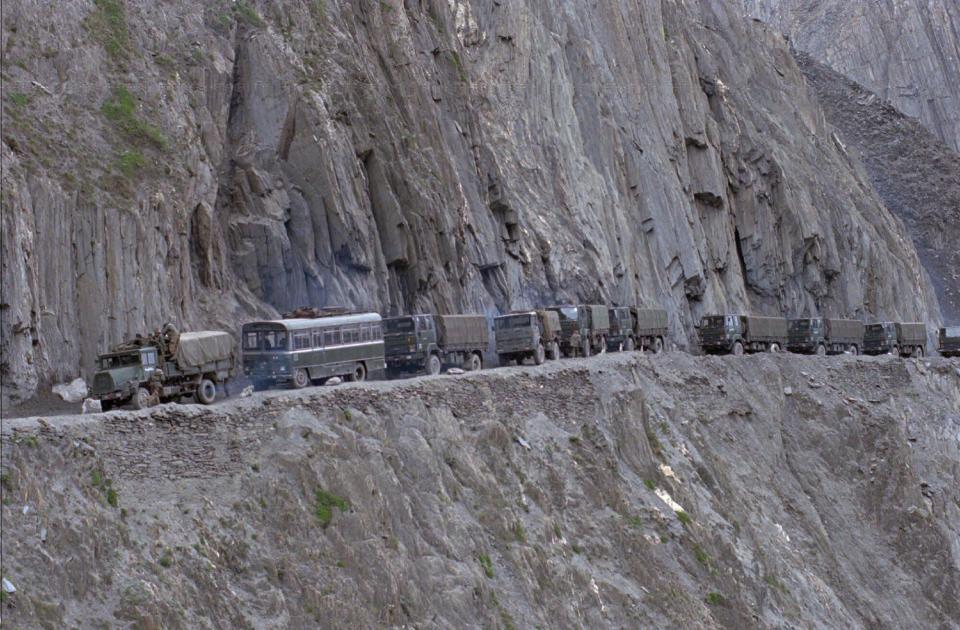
<point>102,383</point>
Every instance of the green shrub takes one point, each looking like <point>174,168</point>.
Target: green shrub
<point>325,504</point>
<point>684,518</point>
<point>121,111</point>
<point>248,13</point>
<point>130,162</point>
<point>19,99</point>
<point>650,484</point>
<point>715,599</point>
<point>487,565</point>
<point>702,556</point>
<point>112,499</point>
<point>108,24</point>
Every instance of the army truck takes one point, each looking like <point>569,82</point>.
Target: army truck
<point>737,334</point>
<point>950,341</point>
<point>583,329</point>
<point>896,338</point>
<point>428,343</point>
<point>527,335</point>
<point>650,329</point>
<point>823,336</point>
<point>165,366</point>
<point>621,336</point>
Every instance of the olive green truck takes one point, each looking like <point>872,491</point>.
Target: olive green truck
<point>527,335</point>
<point>583,329</point>
<point>428,343</point>
<point>737,334</point>
<point>896,338</point>
<point>950,341</point>
<point>163,367</point>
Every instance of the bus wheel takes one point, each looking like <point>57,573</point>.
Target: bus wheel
<point>821,350</point>
<point>359,374</point>
<point>539,355</point>
<point>300,378</point>
<point>207,392</point>
<point>142,398</point>
<point>658,345</point>
<point>738,348</point>
<point>433,365</point>
<point>854,350</point>
<point>630,345</point>
<point>474,363</point>
<point>774,347</point>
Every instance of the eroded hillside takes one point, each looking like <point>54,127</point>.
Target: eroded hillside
<point>205,162</point>
<point>623,491</point>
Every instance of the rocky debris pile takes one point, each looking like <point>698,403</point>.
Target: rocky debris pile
<point>624,491</point>
<point>456,156</point>
<point>73,392</point>
<point>917,176</point>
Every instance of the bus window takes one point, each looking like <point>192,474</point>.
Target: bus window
<point>377,332</point>
<point>301,341</point>
<point>317,339</point>
<point>365,332</point>
<point>251,341</point>
<point>331,337</point>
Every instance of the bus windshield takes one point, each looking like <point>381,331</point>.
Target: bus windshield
<point>265,340</point>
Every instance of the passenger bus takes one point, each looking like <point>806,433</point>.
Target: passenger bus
<point>298,352</point>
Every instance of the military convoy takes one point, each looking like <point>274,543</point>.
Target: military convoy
<point>428,343</point>
<point>165,366</point>
<point>310,346</point>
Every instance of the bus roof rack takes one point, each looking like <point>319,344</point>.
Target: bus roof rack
<point>313,312</point>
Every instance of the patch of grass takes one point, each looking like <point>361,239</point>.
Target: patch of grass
<point>130,162</point>
<point>664,539</point>
<point>577,549</point>
<point>121,110</point>
<point>653,440</point>
<point>635,521</point>
<point>773,582</point>
<point>166,560</point>
<point>458,64</point>
<point>715,599</point>
<point>248,13</point>
<point>112,499</point>
<point>32,441</point>
<point>684,518</point>
<point>325,504</point>
<point>486,564</point>
<point>702,556</point>
<point>519,532</point>
<point>108,25</point>
<point>19,98</point>
<point>341,564</point>
<point>556,530</point>
<point>574,440</point>
<point>650,484</point>
<point>96,478</point>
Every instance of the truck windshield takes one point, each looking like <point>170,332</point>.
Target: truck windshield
<point>568,313</point>
<point>119,360</point>
<point>713,321</point>
<point>876,329</point>
<point>800,324</point>
<point>396,325</point>
<point>514,321</point>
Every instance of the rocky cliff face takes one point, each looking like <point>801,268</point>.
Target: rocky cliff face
<point>208,161</point>
<point>917,176</point>
<point>624,492</point>
<point>907,51</point>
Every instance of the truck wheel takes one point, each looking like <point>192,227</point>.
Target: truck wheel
<point>737,348</point>
<point>630,345</point>
<point>474,363</point>
<point>553,353</point>
<point>142,398</point>
<point>300,378</point>
<point>774,347</point>
<point>206,393</point>
<point>359,374</point>
<point>854,350</point>
<point>919,352</point>
<point>106,405</point>
<point>658,345</point>
<point>587,350</point>
<point>895,351</point>
<point>539,355</point>
<point>433,365</point>
<point>603,345</point>
<point>821,350</point>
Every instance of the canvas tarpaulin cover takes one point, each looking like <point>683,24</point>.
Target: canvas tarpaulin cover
<point>208,346</point>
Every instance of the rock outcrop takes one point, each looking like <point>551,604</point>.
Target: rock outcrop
<point>906,51</point>
<point>208,161</point>
<point>623,491</point>
<point>917,176</point>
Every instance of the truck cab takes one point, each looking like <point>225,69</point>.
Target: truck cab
<point>120,374</point>
<point>583,328</point>
<point>881,338</point>
<point>721,333</point>
<point>622,324</point>
<point>949,338</point>
<point>409,342</point>
<point>807,335</point>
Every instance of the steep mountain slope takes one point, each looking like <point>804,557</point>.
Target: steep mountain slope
<point>208,161</point>
<point>813,494</point>
<point>917,176</point>
<point>907,51</point>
